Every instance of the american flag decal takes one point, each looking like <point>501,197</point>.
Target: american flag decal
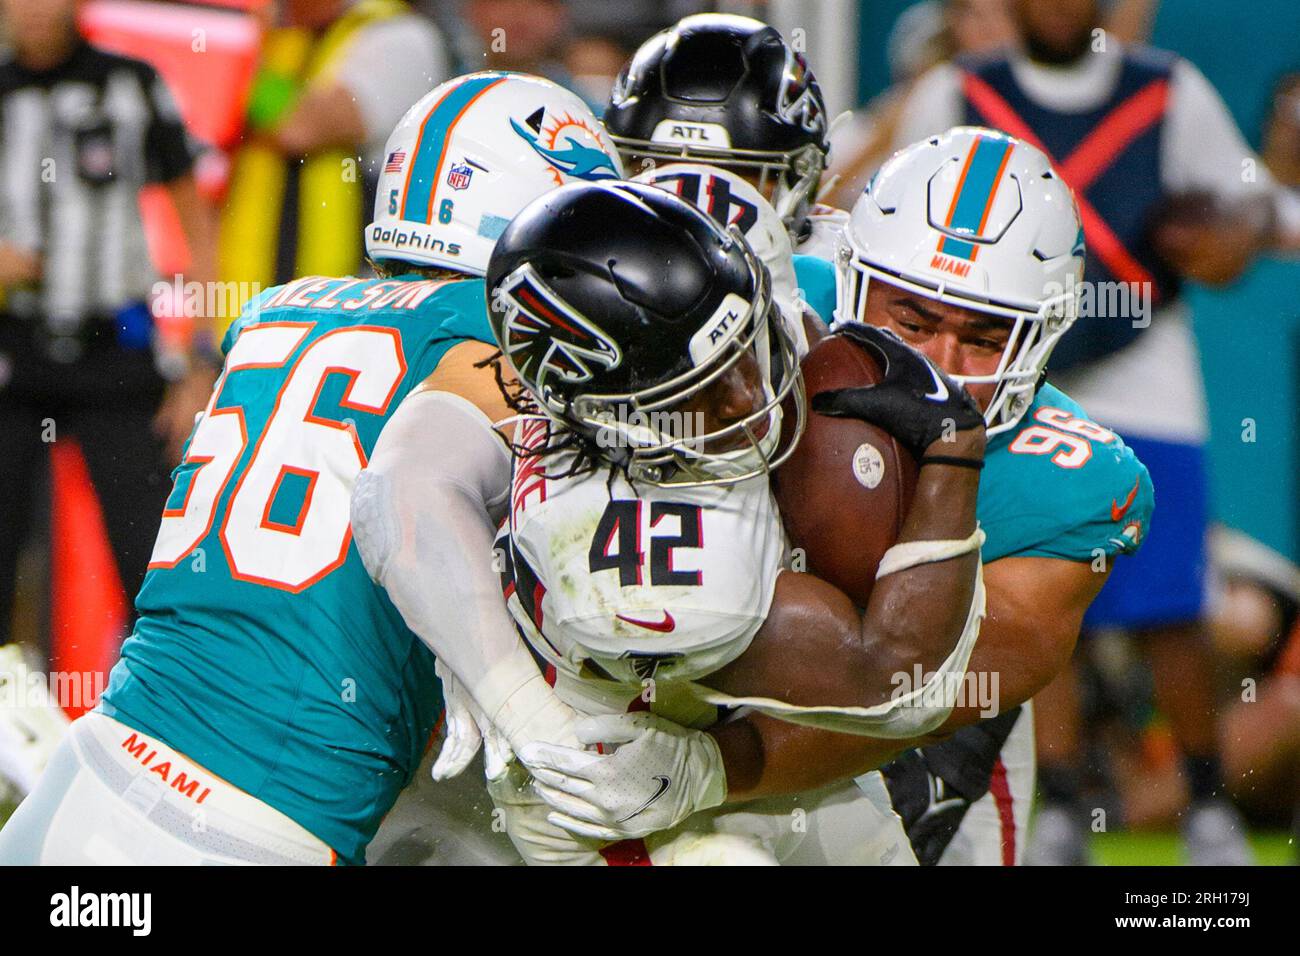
<point>395,160</point>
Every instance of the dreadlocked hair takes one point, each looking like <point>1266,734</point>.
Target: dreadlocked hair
<point>559,439</point>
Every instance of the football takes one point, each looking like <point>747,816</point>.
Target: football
<point>844,492</point>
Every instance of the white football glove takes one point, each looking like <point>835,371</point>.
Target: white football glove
<point>658,774</point>
<point>466,729</point>
<point>31,723</point>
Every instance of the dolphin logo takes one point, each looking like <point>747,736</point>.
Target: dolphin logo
<point>575,160</point>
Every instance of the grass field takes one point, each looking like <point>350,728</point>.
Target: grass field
<point>1165,849</point>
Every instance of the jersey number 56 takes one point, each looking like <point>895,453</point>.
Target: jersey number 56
<point>323,456</point>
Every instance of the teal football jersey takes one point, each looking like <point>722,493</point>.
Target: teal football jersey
<point>1059,485</point>
<point>263,651</point>
<point>816,279</point>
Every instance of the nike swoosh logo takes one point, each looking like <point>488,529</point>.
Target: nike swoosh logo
<point>939,806</point>
<point>1117,512</point>
<point>664,784</point>
<point>663,626</point>
<point>940,393</point>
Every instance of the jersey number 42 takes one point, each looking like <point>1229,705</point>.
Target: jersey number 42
<point>616,546</point>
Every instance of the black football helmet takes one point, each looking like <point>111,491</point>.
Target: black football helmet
<point>729,91</point>
<point>613,303</point>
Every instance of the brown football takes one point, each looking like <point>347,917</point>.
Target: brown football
<point>844,492</point>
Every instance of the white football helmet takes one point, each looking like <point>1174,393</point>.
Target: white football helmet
<point>472,153</point>
<point>978,219</point>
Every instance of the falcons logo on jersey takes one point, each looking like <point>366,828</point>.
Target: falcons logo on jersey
<point>546,337</point>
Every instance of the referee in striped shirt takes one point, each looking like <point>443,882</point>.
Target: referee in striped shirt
<point>81,131</point>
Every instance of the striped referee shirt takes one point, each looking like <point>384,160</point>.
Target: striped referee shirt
<point>76,144</point>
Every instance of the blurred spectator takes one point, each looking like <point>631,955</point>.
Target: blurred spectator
<point>527,36</point>
<point>925,35</point>
<point>1158,167</point>
<point>593,62</point>
<point>335,78</point>
<point>1255,625</point>
<point>83,130</point>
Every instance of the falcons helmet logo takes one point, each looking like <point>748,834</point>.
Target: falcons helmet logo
<point>795,101</point>
<point>546,339</point>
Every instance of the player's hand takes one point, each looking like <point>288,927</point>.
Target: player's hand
<point>915,402</point>
<point>658,774</point>
<point>184,399</point>
<point>466,730</point>
<point>933,787</point>
<point>930,809</point>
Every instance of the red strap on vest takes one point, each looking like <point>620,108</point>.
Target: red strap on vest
<point>1120,127</point>
<point>1092,157</point>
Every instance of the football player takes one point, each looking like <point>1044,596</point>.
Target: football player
<point>984,293</point>
<point>731,92</point>
<point>271,702</point>
<point>731,200</point>
<point>644,551</point>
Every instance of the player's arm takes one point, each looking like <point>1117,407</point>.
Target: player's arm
<point>1035,611</point>
<point>815,647</point>
<point>465,371</point>
<point>423,518</point>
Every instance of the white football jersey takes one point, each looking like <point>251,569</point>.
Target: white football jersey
<point>826,223</point>
<point>626,589</point>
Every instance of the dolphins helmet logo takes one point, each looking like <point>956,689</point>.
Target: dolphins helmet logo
<point>569,146</point>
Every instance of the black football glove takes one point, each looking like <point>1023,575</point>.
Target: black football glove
<point>930,809</point>
<point>914,401</point>
<point>932,787</point>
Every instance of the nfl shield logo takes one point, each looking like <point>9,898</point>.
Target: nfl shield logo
<point>458,177</point>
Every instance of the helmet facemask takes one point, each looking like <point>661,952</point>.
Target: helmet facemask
<point>1035,329</point>
<point>792,178</point>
